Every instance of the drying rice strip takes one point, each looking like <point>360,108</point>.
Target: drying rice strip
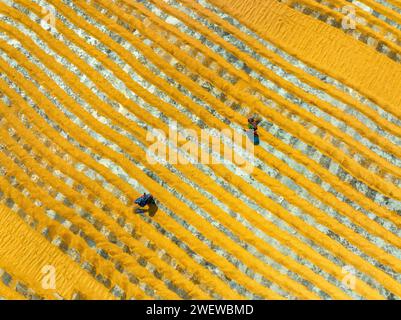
<point>393,15</point>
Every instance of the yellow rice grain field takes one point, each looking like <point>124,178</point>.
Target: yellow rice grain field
<point>102,101</point>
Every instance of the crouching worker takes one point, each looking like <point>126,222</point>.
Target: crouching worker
<point>146,200</point>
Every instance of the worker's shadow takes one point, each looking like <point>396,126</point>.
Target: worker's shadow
<point>151,210</point>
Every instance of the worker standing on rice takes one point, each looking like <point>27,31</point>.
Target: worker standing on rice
<point>252,132</point>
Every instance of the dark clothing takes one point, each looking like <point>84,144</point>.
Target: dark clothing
<point>256,140</point>
<point>253,136</point>
<point>145,199</point>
